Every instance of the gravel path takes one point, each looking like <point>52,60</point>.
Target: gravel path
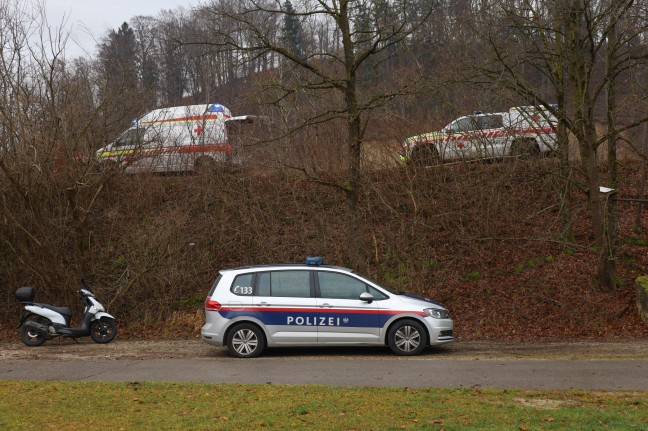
<point>85,349</point>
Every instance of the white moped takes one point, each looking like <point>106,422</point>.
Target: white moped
<point>41,322</point>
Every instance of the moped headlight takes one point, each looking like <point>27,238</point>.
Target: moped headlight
<point>437,313</point>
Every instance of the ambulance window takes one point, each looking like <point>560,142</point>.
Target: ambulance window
<point>491,122</point>
<point>242,285</point>
<point>131,137</point>
<point>462,125</point>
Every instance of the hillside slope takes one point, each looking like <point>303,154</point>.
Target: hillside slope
<point>483,239</point>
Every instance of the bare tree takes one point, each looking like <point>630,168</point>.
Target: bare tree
<point>582,48</point>
<point>331,66</point>
<point>48,117</point>
<point>146,54</point>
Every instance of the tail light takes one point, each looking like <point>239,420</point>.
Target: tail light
<point>211,305</point>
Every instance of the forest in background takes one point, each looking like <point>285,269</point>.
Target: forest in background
<point>515,250</point>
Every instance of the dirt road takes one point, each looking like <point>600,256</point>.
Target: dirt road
<point>66,349</point>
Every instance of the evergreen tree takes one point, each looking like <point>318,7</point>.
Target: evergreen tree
<point>292,30</point>
<point>117,60</point>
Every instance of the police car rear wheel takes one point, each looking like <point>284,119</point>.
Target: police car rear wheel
<point>245,341</point>
<point>407,338</point>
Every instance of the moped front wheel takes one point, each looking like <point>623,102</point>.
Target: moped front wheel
<point>103,330</point>
<point>30,336</point>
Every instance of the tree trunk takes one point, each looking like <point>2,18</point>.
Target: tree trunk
<point>562,132</point>
<point>599,211</point>
<point>641,187</point>
<point>354,139</point>
<point>610,206</point>
<point>582,54</point>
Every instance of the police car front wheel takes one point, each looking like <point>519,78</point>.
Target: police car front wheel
<point>407,338</point>
<point>245,341</point>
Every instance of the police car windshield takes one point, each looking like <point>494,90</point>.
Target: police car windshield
<point>382,286</point>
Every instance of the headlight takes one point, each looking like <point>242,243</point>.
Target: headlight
<point>437,313</point>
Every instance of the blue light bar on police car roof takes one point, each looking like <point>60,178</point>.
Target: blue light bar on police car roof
<point>216,107</point>
<point>314,261</point>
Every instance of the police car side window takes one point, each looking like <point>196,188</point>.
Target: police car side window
<point>340,286</point>
<point>294,284</point>
<point>242,285</point>
<point>263,286</point>
<point>376,294</point>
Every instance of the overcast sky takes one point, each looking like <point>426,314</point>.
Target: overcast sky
<point>90,20</point>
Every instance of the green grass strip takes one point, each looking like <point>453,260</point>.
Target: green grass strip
<point>171,406</point>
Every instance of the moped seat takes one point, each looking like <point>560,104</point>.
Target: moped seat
<point>64,311</point>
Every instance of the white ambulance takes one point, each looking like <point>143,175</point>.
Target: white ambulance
<point>175,139</point>
<point>523,131</point>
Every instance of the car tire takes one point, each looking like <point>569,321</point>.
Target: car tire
<point>205,165</point>
<point>407,338</point>
<point>245,340</point>
<point>525,149</point>
<point>425,155</point>
<point>108,167</point>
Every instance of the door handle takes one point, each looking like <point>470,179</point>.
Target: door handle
<point>264,304</point>
<point>326,305</point>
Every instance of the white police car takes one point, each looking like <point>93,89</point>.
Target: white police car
<point>254,307</point>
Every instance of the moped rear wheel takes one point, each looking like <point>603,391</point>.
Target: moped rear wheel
<point>30,336</point>
<point>103,330</point>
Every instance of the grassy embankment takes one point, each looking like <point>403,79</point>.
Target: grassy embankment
<point>129,406</point>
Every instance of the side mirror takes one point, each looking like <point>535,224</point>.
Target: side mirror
<point>366,297</point>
